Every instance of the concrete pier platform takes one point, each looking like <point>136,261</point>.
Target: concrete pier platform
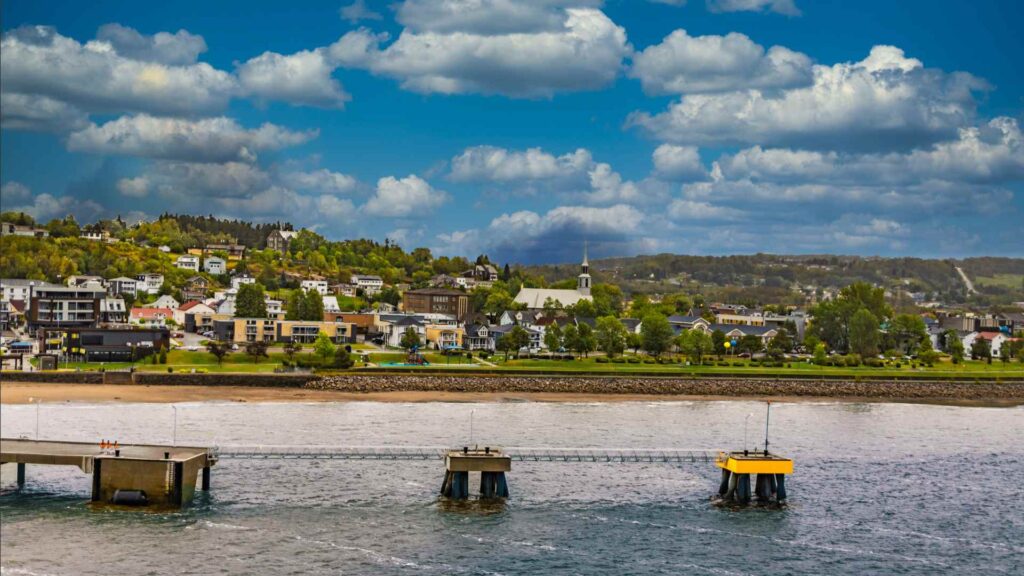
<point>139,474</point>
<point>492,465</point>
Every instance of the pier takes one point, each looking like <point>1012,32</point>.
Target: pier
<point>166,476</point>
<point>132,474</point>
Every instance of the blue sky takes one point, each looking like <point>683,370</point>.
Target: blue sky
<point>521,129</point>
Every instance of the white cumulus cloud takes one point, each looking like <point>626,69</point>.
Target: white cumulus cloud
<point>303,78</point>
<point>787,7</point>
<point>133,187</point>
<point>409,197</point>
<point>218,139</point>
<point>692,64</point>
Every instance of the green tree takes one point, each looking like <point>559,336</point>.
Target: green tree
<point>342,359</point>
<point>750,344</point>
<point>954,346</point>
<point>296,306</point>
<point>634,341</point>
<point>718,340</point>
<point>926,353</point>
<point>314,306</point>
<point>323,347</point>
<point>907,332</point>
<point>218,349</point>
<point>656,334</point>
<point>981,350</point>
<point>586,342</point>
<point>410,339</point>
<point>780,344</point>
<point>291,348</point>
<point>553,337</point>
<point>611,335</point>
<point>696,344</point>
<point>570,337</point>
<point>820,354</point>
<point>250,302</point>
<point>256,349</point>
<point>864,335</point>
<point>518,338</point>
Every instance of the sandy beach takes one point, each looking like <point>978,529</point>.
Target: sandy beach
<point>26,392</point>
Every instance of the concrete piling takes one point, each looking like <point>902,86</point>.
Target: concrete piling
<point>21,475</point>
<point>206,479</point>
<point>489,462</point>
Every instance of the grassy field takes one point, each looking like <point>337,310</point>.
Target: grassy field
<point>1010,281</point>
<point>183,361</point>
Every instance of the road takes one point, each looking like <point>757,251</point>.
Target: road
<point>967,281</point>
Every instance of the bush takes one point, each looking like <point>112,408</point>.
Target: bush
<point>170,369</point>
<point>633,360</point>
<point>650,361</point>
<point>874,362</point>
<point>723,363</point>
<point>737,364</point>
<point>618,360</point>
<point>601,359</point>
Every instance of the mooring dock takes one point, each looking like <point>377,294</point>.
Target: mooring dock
<point>159,476</point>
<point>769,481</point>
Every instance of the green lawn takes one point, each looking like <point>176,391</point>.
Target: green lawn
<point>1011,281</point>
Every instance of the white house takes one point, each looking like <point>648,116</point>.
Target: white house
<point>215,265</point>
<point>164,248</point>
<point>331,304</point>
<point>20,288</point>
<point>122,285</point>
<point>995,341</point>
<point>188,262</point>
<point>368,283</point>
<point>319,285</point>
<point>274,307</point>
<point>194,307</point>
<point>149,283</point>
<point>237,281</point>
<point>165,301</point>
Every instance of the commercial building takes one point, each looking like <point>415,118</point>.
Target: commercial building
<point>244,330</point>
<point>64,307</point>
<point>105,344</point>
<point>437,301</point>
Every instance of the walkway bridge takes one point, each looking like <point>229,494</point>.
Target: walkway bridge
<point>514,453</point>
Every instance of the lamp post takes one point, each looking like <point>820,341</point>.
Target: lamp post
<point>174,437</point>
<point>745,419</point>
<point>37,402</point>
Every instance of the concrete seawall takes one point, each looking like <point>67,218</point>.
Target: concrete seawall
<point>164,379</point>
<point>983,390</point>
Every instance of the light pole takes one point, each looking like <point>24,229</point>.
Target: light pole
<point>37,402</point>
<point>745,419</point>
<point>471,413</point>
<point>174,437</point>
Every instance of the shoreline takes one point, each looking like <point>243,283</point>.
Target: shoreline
<point>14,393</point>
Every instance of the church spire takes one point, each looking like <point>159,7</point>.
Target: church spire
<point>583,280</point>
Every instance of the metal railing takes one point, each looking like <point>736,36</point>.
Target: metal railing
<point>421,453</point>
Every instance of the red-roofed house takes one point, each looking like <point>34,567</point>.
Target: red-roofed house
<point>192,307</point>
<point>995,341</point>
<point>151,316</point>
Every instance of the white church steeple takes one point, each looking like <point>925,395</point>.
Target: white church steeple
<point>583,280</point>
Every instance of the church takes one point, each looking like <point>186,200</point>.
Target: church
<point>534,298</point>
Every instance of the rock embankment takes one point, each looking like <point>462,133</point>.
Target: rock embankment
<point>892,389</point>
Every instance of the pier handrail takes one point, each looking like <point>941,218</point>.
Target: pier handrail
<point>516,453</point>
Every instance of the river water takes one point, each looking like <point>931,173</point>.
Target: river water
<point>878,489</point>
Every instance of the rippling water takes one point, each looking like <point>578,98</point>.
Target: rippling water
<point>878,489</point>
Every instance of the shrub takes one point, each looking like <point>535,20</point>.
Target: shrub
<point>723,363</point>
<point>619,360</point>
<point>650,361</point>
<point>633,360</point>
<point>601,359</point>
<point>170,369</point>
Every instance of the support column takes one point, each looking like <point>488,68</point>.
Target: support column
<point>206,478</point>
<point>763,488</point>
<point>723,488</point>
<point>743,489</point>
<point>460,485</point>
<point>780,490</point>
<point>21,475</point>
<point>501,485</point>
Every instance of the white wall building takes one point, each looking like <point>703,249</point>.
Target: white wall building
<point>188,262</point>
<point>319,285</point>
<point>215,265</point>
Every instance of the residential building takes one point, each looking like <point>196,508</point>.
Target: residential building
<point>194,307</point>
<point>478,337</point>
<point>535,298</point>
<point>165,301</point>
<point>64,307</point>
<point>195,288</point>
<point>391,327</point>
<point>243,330</point>
<point>215,265</point>
<point>86,281</point>
<point>113,311</point>
<point>995,341</point>
<point>280,240</point>
<point>149,283</point>
<point>437,301</point>
<point>319,285</point>
<point>8,229</point>
<point>95,235</point>
<point>188,262</point>
<point>536,336</point>
<point>21,289</point>
<point>234,251</point>
<point>745,319</point>
<point>482,273</point>
<point>122,286</point>
<point>151,317</point>
<point>442,337</point>
<point>331,304</point>
<point>348,290</point>
<point>5,315</point>
<point>368,283</point>
<point>245,278</point>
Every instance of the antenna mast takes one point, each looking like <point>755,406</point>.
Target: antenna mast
<point>767,418</point>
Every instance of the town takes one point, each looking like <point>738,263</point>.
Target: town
<point>160,296</point>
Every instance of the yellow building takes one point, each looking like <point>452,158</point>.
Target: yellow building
<point>242,330</point>
<point>442,337</point>
<point>739,319</point>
